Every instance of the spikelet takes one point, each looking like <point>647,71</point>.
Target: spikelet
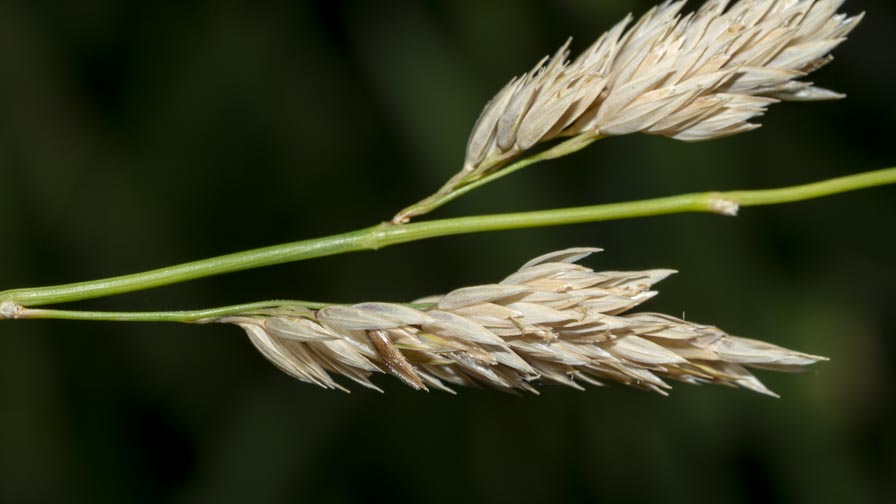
<point>551,321</point>
<point>697,76</point>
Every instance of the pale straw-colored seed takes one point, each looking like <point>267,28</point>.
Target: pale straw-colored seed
<point>551,321</point>
<point>694,76</point>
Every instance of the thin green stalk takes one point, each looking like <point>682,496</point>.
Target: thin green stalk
<point>183,316</point>
<point>11,310</point>
<point>386,234</point>
<point>812,190</point>
<point>462,186</point>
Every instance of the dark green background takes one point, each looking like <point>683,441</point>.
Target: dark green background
<point>137,135</point>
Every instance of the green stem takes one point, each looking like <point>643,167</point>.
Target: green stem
<point>385,234</point>
<point>813,190</point>
<point>202,316</point>
<point>465,185</point>
<point>184,316</point>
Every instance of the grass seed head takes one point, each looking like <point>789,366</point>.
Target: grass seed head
<point>553,320</point>
<point>695,76</point>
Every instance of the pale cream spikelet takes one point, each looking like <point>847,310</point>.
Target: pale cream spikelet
<point>552,321</point>
<point>696,76</point>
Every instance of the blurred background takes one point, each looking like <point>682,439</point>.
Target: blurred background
<point>135,135</point>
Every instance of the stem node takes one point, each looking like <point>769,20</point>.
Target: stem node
<point>722,205</point>
<point>9,310</point>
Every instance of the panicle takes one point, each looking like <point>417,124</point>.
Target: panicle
<point>695,76</point>
<point>553,320</point>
